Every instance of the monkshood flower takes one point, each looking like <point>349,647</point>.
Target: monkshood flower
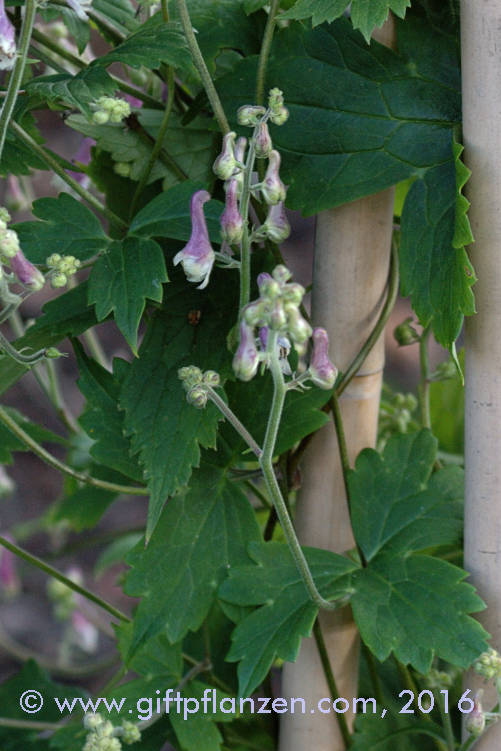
<point>225,164</point>
<point>276,227</point>
<point>7,40</point>
<point>246,360</point>
<point>272,187</point>
<point>263,144</point>
<point>475,722</point>
<point>197,257</point>
<point>322,372</point>
<point>27,274</point>
<point>232,224</point>
<point>80,7</point>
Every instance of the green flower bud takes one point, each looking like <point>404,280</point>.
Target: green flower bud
<point>254,314</point>
<point>100,117</point>
<point>58,280</point>
<point>299,329</point>
<point>269,288</point>
<point>92,721</point>
<point>53,354</point>
<point>293,293</point>
<point>250,115</point>
<point>122,168</point>
<point>211,378</point>
<point>278,318</point>
<point>275,99</point>
<point>475,722</point>
<point>9,243</point>
<point>190,376</point>
<point>4,215</point>
<point>130,733</point>
<point>225,164</point>
<point>197,396</point>
<point>280,117</point>
<point>53,260</point>
<point>282,274</point>
<point>405,334</point>
<point>276,226</point>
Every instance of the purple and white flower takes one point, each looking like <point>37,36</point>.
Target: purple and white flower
<point>197,257</point>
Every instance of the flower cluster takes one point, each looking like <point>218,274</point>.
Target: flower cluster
<point>10,253</point>
<point>488,665</point>
<point>61,268</point>
<point>197,384</point>
<point>110,109</point>
<point>104,736</point>
<point>277,310</point>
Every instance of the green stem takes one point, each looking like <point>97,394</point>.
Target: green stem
<point>446,722</point>
<point>331,681</point>
<point>16,77</point>
<point>51,162</point>
<point>378,328</point>
<point>424,384</point>
<point>6,722</point>
<point>233,419</point>
<point>18,356</point>
<point>244,211</point>
<point>158,143</point>
<point>51,571</point>
<point>199,61</point>
<point>37,449</point>
<point>265,50</point>
<point>266,463</point>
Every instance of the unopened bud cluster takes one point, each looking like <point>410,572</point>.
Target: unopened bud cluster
<point>61,268</point>
<point>395,416</point>
<point>196,383</point>
<point>488,665</point>
<point>109,109</point>
<point>12,255</point>
<point>104,736</point>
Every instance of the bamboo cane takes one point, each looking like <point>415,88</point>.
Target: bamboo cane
<point>481,64</point>
<point>352,253</point>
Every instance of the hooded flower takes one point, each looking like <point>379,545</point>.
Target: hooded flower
<point>27,274</point>
<point>246,359</point>
<point>322,371</point>
<point>232,224</point>
<point>272,187</point>
<point>7,40</point>
<point>197,257</point>
<point>276,226</point>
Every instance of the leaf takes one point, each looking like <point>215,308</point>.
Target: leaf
<point>73,91</point>
<point>396,733</point>
<point>462,233</point>
<point>447,411</point>
<point>200,536</point>
<point>416,607</point>
<point>199,729</point>
<point>67,227</point>
<point>286,614</point>
<point>398,504</point>
<point>9,442</point>
<point>121,13</point>
<point>67,315</point>
<point>129,272</point>
<point>168,214</point>
<point>101,419</point>
<point>83,508</point>
<point>366,15</point>
<point>154,43</point>
<point>165,430</point>
<point>16,158</point>
<point>405,602</point>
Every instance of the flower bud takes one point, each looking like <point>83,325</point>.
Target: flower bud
<point>190,376</point>
<point>405,334</point>
<point>197,396</point>
<point>232,224</point>
<point>246,359</point>
<point>7,40</point>
<point>272,187</point>
<point>299,329</point>
<point>322,371</point>
<point>263,144</point>
<point>53,354</point>
<point>240,147</point>
<point>276,226</point>
<point>278,317</point>
<point>130,733</point>
<point>4,215</point>
<point>122,168</point>
<point>269,288</point>
<point>100,117</point>
<point>275,99</point>
<point>475,722</point>
<point>225,164</point>
<point>58,280</point>
<point>212,379</point>
<point>27,274</point>
<point>197,257</point>
<point>282,274</point>
<point>250,114</point>
<point>53,260</point>
<point>92,721</point>
<point>9,243</point>
<point>293,293</point>
<point>280,117</point>
<point>254,313</point>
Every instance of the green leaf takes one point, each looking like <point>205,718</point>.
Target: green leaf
<point>462,234</point>
<point>67,315</point>
<point>198,730</point>
<point>67,227</point>
<point>165,430</point>
<point>121,13</point>
<point>115,552</point>
<point>156,657</point>
<point>83,508</point>
<point>154,43</point>
<point>416,607</point>
<point>398,504</point>
<point>286,614</point>
<point>129,272</point>
<point>168,214</point>
<point>396,733</point>
<point>366,15</point>
<point>9,442</point>
<point>101,419</point>
<point>447,411</point>
<point>74,91</point>
<point>199,537</point>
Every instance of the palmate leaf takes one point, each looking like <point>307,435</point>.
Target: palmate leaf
<point>165,430</point>
<point>199,537</point>
<point>365,118</point>
<point>73,91</point>
<point>366,15</point>
<point>286,614</point>
<point>129,272</point>
<point>67,226</point>
<point>406,602</point>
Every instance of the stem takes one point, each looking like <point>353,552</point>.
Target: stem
<point>424,384</point>
<point>265,50</point>
<point>165,11</point>
<point>331,681</point>
<point>17,74</point>
<point>51,162</point>
<point>266,463</point>
<point>446,722</point>
<point>5,722</point>
<point>18,356</point>
<point>51,571</point>
<point>244,211</point>
<point>233,419</point>
<point>378,328</point>
<point>199,61</point>
<point>158,143</point>
<point>37,449</point>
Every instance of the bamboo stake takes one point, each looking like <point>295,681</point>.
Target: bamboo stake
<point>481,64</point>
<point>352,255</point>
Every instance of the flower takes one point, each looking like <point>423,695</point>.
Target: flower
<point>322,371</point>
<point>232,224</point>
<point>197,257</point>
<point>27,274</point>
<point>276,226</point>
<point>225,164</point>
<point>7,40</point>
<point>246,359</point>
<point>272,187</point>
